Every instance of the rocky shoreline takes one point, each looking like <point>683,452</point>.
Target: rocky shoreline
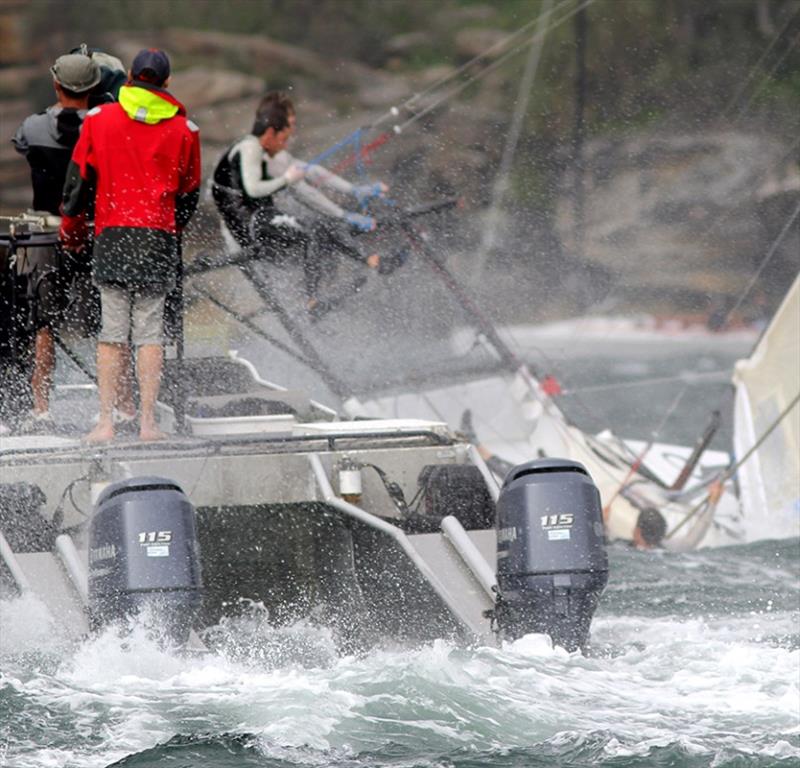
<point>673,218</point>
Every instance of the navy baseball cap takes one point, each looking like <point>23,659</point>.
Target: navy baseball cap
<point>152,62</point>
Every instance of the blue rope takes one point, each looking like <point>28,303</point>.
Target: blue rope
<point>353,138</point>
<point>359,158</point>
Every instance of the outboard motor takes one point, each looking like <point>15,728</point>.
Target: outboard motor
<point>552,564</point>
<point>143,551</point>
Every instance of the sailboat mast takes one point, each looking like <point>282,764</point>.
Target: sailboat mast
<point>501,183</point>
<point>581,32</point>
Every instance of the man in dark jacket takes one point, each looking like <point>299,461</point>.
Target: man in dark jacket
<point>141,157</point>
<point>112,75</point>
<point>46,140</point>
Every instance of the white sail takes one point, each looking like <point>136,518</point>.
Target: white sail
<point>766,384</point>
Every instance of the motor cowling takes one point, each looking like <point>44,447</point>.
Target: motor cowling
<point>552,564</point>
<point>143,551</point>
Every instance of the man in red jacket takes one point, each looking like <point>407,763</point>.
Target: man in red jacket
<point>138,160</point>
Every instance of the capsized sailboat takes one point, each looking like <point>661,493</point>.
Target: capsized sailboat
<point>632,477</point>
<point>767,383</point>
<point>722,499</point>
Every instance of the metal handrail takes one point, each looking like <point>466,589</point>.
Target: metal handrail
<point>218,445</point>
<point>10,559</point>
<point>400,538</point>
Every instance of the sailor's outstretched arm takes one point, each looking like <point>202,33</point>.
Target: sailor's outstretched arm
<point>320,176</point>
<point>310,195</point>
<point>693,532</point>
<point>316,174</point>
<point>252,156</point>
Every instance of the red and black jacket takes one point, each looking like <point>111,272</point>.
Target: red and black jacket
<point>139,160</point>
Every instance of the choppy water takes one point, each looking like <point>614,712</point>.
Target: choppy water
<point>696,663</point>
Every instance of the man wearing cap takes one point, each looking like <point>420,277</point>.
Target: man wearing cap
<point>113,75</point>
<point>141,158</point>
<point>46,140</point>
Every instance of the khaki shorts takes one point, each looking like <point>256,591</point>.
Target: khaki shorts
<point>130,313</point>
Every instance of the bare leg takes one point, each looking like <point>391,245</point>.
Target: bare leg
<point>44,363</point>
<point>124,401</point>
<point>109,357</point>
<point>148,364</point>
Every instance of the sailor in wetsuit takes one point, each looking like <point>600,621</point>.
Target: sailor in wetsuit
<point>263,197</point>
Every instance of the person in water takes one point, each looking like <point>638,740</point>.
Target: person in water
<point>268,198</point>
<point>651,527</point>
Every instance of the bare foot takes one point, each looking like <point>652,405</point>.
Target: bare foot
<point>151,434</point>
<point>102,433</point>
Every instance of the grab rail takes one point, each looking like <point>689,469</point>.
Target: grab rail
<point>10,559</point>
<point>395,533</point>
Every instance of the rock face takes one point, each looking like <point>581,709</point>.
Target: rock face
<point>220,77</point>
<point>204,87</point>
<point>668,213</point>
<point>14,48</point>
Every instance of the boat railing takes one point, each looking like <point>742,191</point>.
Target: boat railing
<point>10,559</point>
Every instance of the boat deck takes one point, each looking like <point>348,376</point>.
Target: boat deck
<point>228,470</point>
<point>290,466</point>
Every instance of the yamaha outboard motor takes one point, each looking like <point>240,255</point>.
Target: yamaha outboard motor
<point>143,551</point>
<point>551,559</point>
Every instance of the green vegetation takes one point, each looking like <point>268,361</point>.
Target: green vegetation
<point>654,63</point>
<point>645,58</point>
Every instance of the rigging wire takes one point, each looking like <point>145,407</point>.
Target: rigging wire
<point>767,76</point>
<point>686,378</point>
<point>749,287</point>
<point>761,59</point>
<point>490,68</point>
<point>731,471</point>
<point>637,463</point>
<point>499,45</point>
<point>719,221</point>
<point>356,136</point>
<point>501,183</point>
<point>500,186</point>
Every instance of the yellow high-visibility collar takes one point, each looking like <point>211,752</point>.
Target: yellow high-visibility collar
<point>144,105</point>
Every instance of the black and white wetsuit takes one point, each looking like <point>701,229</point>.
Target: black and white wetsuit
<point>242,186</point>
<point>258,206</point>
